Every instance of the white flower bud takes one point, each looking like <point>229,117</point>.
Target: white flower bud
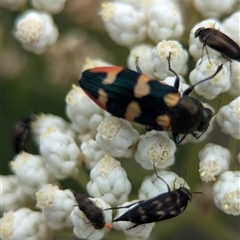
<point>228,118</point>
<point>117,137</point>
<point>196,47</point>
<point>63,157</point>
<point>234,89</point>
<point>226,193</point>
<point>142,55</point>
<point>42,121</point>
<point>124,24</point>
<point>31,172</point>
<point>140,232</point>
<point>13,196</point>
<point>214,160</point>
<point>155,148</point>
<point>211,88</point>
<point>94,62</point>
<point>56,206</point>
<point>229,27</point>
<point>171,81</point>
<point>213,8</point>
<point>24,224</point>
<point>153,186</point>
<point>13,5</point>
<point>92,153</point>
<point>53,6</point>
<point>36,31</point>
<point>164,22</point>
<point>160,54</point>
<point>109,182</point>
<point>83,228</point>
<point>82,111</point>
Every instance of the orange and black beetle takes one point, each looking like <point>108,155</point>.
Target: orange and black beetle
<point>136,97</point>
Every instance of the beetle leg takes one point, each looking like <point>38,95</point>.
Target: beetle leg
<point>137,67</point>
<point>177,80</point>
<point>177,138</point>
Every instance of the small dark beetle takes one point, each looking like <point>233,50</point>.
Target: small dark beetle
<point>91,210</point>
<point>162,207</point>
<point>21,131</point>
<point>218,41</point>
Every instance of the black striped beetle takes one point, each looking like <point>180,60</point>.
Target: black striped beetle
<point>136,97</point>
<point>91,210</point>
<point>218,41</point>
<point>162,207</point>
<point>21,131</point>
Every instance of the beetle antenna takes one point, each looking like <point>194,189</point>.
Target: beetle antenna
<point>190,89</point>
<point>160,177</point>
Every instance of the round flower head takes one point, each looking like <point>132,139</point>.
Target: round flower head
<point>36,31</point>
<point>94,62</point>
<point>234,89</point>
<point>53,6</point>
<point>171,81</point>
<point>13,5</point>
<point>109,181</point>
<point>124,24</point>
<point>153,186</point>
<point>56,206</point>
<point>229,27</point>
<point>91,152</point>
<point>31,172</point>
<point>178,60</point>
<point>24,224</point>
<point>42,121</point>
<point>226,192</point>
<point>63,157</point>
<point>142,55</point>
<point>155,148</point>
<point>228,118</point>
<point>164,22</point>
<point>211,88</point>
<point>140,232</point>
<point>214,160</point>
<point>196,47</point>
<point>82,226</point>
<point>116,137</point>
<point>82,111</point>
<point>212,8</point>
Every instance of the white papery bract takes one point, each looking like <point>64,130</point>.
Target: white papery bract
<point>226,192</point>
<point>140,232</point>
<point>36,31</point>
<point>153,186</point>
<point>108,180</point>
<point>214,159</point>
<point>117,137</point>
<point>211,88</point>
<point>196,47</point>
<point>124,24</point>
<point>92,152</point>
<point>12,195</point>
<point>83,112</point>
<point>160,53</point>
<point>234,89</point>
<point>155,148</point>
<point>24,224</point>
<point>53,6</point>
<point>212,8</point>
<point>63,157</point>
<point>164,22</point>
<point>42,121</point>
<point>31,172</point>
<point>56,206</point>
<point>231,28</point>
<point>228,118</point>
<point>83,228</point>
<point>94,62</point>
<point>142,55</point>
<point>13,5</point>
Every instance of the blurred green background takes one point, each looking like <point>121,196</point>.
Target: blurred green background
<point>39,83</point>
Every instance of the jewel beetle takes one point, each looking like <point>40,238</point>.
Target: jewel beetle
<point>162,207</point>
<point>218,41</point>
<point>138,98</point>
<point>21,131</point>
<point>91,210</point>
